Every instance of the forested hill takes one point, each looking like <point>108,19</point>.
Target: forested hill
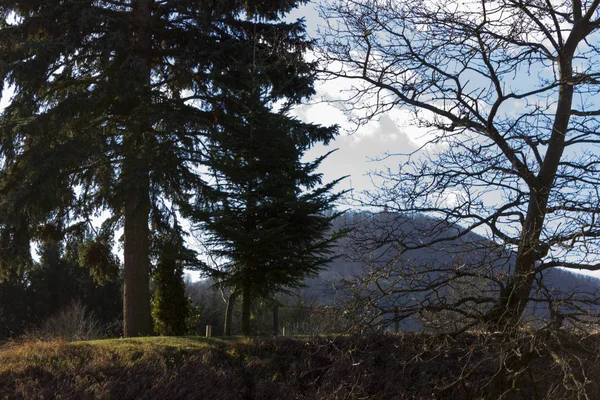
<point>355,250</point>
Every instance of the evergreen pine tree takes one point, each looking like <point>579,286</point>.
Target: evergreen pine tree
<point>111,103</point>
<point>51,285</point>
<point>269,213</point>
<point>58,280</point>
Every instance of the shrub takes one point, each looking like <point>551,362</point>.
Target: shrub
<point>74,322</point>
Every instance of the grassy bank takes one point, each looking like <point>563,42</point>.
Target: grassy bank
<point>405,366</point>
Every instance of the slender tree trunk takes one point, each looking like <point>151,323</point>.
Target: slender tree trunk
<point>246,300</point>
<point>229,312</point>
<point>275,319</point>
<point>137,320</point>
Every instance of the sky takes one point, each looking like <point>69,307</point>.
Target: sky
<point>358,151</point>
<point>363,151</point>
<point>355,152</point>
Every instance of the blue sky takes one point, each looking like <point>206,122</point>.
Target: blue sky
<point>358,150</point>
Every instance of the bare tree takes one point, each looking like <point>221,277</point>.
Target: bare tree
<point>509,90</point>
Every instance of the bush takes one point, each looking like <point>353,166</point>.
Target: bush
<point>74,322</point>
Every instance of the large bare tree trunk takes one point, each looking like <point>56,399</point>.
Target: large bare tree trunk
<point>548,210</point>
<point>515,297</point>
<point>137,320</point>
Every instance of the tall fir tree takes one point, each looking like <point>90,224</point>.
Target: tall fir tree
<point>111,105</point>
<point>269,213</point>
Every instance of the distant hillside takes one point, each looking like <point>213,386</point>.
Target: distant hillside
<point>386,227</point>
<point>470,249</point>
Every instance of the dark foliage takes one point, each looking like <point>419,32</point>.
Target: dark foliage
<point>267,214</point>
<point>170,305</point>
<point>112,102</point>
<point>52,285</point>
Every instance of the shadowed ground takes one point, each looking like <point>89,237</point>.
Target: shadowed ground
<point>421,366</point>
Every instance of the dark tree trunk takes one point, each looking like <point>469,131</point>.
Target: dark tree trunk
<point>137,320</point>
<point>246,300</point>
<point>515,296</point>
<point>275,319</point>
<point>136,294</point>
<point>229,312</point>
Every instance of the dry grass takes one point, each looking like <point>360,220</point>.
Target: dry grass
<point>73,322</point>
<point>418,366</point>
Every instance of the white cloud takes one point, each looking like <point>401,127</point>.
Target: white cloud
<point>7,93</point>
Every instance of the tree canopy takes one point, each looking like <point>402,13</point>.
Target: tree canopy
<point>265,214</point>
<point>507,90</point>
<point>112,103</point>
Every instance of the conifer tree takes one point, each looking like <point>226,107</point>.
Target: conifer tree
<point>110,108</point>
<point>267,221</point>
<point>52,284</point>
<point>59,280</point>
